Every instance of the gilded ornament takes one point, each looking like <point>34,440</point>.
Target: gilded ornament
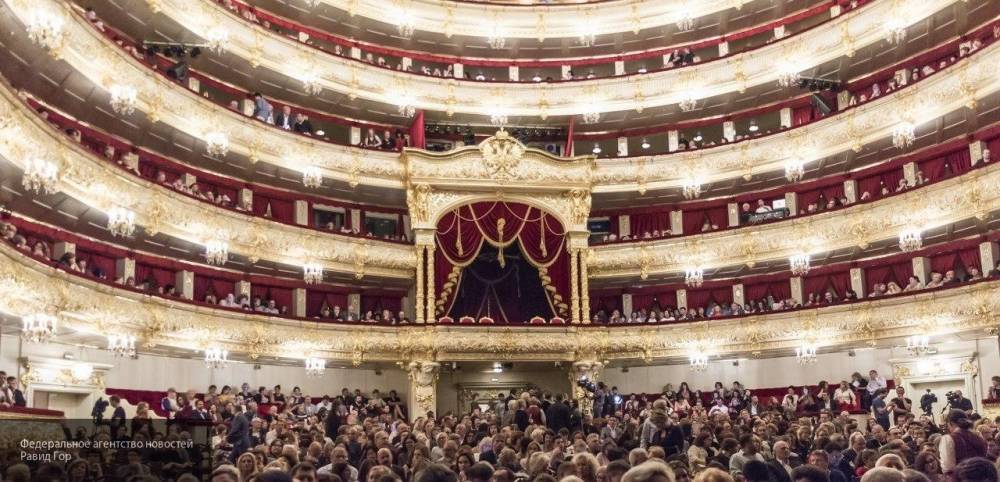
<point>501,155</point>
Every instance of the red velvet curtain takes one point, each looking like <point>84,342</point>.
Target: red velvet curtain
<point>664,298</point>
<point>693,221</point>
<point>607,303</point>
<point>219,286</point>
<point>378,303</point>
<point>648,222</point>
<point>316,300</point>
<point>281,209</point>
<point>944,262</point>
<point>160,276</point>
<point>98,261</point>
<point>417,135</point>
<point>969,257</point>
<point>463,232</point>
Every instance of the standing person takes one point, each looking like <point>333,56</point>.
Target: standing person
<point>239,433</point>
<point>600,397</point>
<point>558,415</point>
<point>960,443</point>
<point>901,406</point>
<point>879,408</point>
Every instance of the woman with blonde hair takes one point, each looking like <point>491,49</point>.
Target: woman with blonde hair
<point>713,475</point>
<point>248,466</point>
<point>650,471</point>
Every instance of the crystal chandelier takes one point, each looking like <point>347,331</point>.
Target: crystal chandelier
<point>806,354</point>
<point>910,240</point>
<point>123,99</point>
<point>903,134</point>
<point>216,252</point>
<point>121,222</point>
<point>691,189</point>
<point>498,117</point>
<point>123,346</point>
<point>312,273</point>
<point>698,360</point>
<point>404,23</point>
<point>794,169</point>
<point>45,28</point>
<point>315,366</point>
<point>311,82</point>
<point>312,177</point>
<point>685,21</point>
<point>591,117</point>
<point>587,35</point>
<point>895,30</point>
<point>404,103</point>
<point>788,77</point>
<point>496,38</point>
<point>81,372</point>
<point>799,264</point>
<point>694,276</point>
<point>217,37</point>
<point>38,328</point>
<point>40,176</point>
<point>918,344</point>
<point>216,357</point>
<point>688,103</point>
<point>216,144</point>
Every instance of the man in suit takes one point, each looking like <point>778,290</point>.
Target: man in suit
<point>14,394</point>
<point>118,417</point>
<point>558,414</point>
<point>239,433</point>
<point>302,124</point>
<point>284,118</point>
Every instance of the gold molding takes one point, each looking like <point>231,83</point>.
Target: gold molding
<point>88,306</point>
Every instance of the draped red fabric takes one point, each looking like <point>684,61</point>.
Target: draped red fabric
<point>216,285</point>
<point>841,282</point>
<point>902,270</point>
<point>159,276</point>
<point>816,284</point>
<point>316,300</point>
<point>718,216</point>
<point>803,115</point>
<point>466,230</point>
<point>281,209</point>
<point>756,291</point>
<point>98,261</point>
<point>417,134</point>
<point>281,296</point>
<point>723,295</point>
<point>605,303</point>
<point>648,222</point>
<point>568,151</point>
<point>944,262</point>
<point>878,274</point>
<point>648,300</point>
<point>970,257</point>
<point>698,298</point>
<point>693,221</point>
<point>378,303</point>
<point>781,289</point>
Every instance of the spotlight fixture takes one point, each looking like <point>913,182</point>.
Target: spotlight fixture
<point>753,126</point>
<point>697,136</point>
<point>596,149</point>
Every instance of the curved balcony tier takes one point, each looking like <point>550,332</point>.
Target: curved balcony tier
<point>89,306</point>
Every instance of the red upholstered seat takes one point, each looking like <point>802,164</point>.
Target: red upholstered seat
<point>467,320</point>
<point>557,321</point>
<point>486,320</point>
<point>446,320</point>
<point>538,320</point>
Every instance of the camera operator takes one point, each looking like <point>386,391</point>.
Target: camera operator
<point>958,402</point>
<point>900,405</point>
<point>927,402</point>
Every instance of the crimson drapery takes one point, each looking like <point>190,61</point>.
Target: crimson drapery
<point>649,300</point>
<point>417,134</point>
<point>642,223</point>
<point>969,257</point>
<point>944,262</point>
<point>568,151</point>
<point>605,303</point>
<point>218,286</point>
<point>466,230</point>
<point>376,304</point>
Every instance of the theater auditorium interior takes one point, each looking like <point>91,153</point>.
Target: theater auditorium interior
<point>500,240</point>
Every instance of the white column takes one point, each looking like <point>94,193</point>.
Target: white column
<point>729,130</point>
<point>566,69</point>
<point>619,67</point>
<point>184,284</point>
<point>786,117</point>
<point>301,212</point>
<point>355,53</point>
<point>245,197</point>
<point>242,289</point>
<point>355,133</point>
<point>624,225</point>
<point>734,215</point>
<point>976,149</point>
<point>682,298</point>
<point>779,32</point>
<point>738,296</point>
<point>797,289</point>
<point>194,84</point>
<point>622,146</point>
<point>513,73</point>
<point>188,179</point>
<point>422,395</point>
<point>124,268</point>
<point>354,304</point>
<point>60,248</point>
<point>922,268</point>
<point>858,282</point>
<point>792,203</point>
<point>851,190</point>
<point>298,307</point>
<point>723,49</point>
<point>626,305</point>
<point>406,62</point>
<point>834,11</point>
<point>989,256</point>
<point>356,220</point>
<point>843,99</point>
<point>909,173</point>
<point>676,223</point>
<point>673,141</point>
<point>459,70</point>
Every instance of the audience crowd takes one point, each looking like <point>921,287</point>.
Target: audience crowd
<point>728,434</point>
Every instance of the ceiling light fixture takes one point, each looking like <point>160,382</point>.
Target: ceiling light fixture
<point>121,222</point>
<point>216,357</point>
<point>216,144</point>
<point>216,252</point>
<point>315,367</point>
<point>38,327</point>
<point>123,99</point>
<point>799,264</point>
<point>795,169</point>
<point>903,134</point>
<point>312,177</point>
<point>46,28</point>
<point>312,273</point>
<point>122,346</point>
<point>217,38</point>
<point>694,276</point>
<point>40,176</point>
<point>910,240</point>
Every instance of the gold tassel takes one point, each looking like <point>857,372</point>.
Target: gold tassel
<point>500,224</point>
<point>458,240</point>
<point>541,242</point>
